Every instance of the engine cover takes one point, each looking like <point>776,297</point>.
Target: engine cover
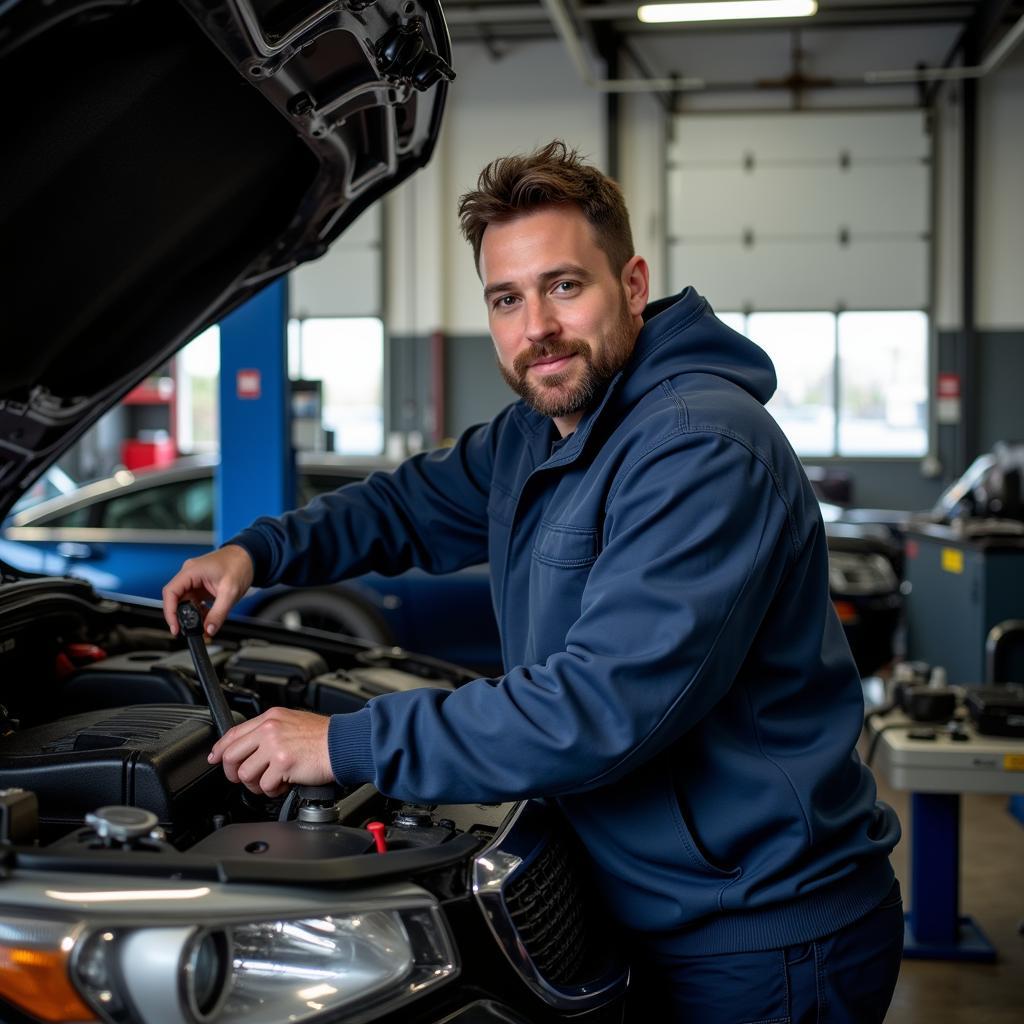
<point>147,755</point>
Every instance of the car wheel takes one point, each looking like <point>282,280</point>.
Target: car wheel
<point>332,610</point>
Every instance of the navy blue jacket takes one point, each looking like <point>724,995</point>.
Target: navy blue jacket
<point>676,676</point>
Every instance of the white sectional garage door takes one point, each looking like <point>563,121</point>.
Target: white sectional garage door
<point>801,210</point>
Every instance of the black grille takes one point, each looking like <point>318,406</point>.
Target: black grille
<point>553,912</point>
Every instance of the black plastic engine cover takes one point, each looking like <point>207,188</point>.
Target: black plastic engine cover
<point>149,755</point>
<point>349,689</point>
<point>138,677</point>
<point>278,673</point>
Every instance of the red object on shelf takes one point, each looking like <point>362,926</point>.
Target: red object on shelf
<point>151,392</point>
<point>144,454</point>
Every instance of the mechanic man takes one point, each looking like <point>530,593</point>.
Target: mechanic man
<point>677,680</point>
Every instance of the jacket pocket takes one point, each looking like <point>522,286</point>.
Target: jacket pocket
<point>690,844</point>
<point>566,547</point>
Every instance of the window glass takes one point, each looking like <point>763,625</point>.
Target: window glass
<point>183,505</point>
<point>197,372</point>
<point>313,483</point>
<point>346,354</point>
<point>802,347</point>
<point>883,372</point>
<point>73,520</point>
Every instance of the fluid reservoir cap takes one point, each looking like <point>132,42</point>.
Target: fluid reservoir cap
<point>410,817</point>
<point>122,824</point>
<point>319,813</point>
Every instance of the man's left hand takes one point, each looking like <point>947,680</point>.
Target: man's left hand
<point>276,750</point>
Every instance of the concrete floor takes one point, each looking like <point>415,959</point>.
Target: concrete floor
<point>992,892</point>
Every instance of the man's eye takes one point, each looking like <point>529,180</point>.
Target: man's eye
<point>504,301</point>
<point>566,287</point>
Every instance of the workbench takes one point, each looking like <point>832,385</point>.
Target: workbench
<point>936,772</point>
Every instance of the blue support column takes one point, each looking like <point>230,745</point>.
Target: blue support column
<point>934,928</point>
<point>1016,807</point>
<point>257,464</point>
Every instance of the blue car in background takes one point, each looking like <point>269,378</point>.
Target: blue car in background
<point>129,534</point>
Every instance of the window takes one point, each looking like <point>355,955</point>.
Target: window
<point>802,348</point>
<point>183,505</point>
<point>312,483</point>
<point>343,355</point>
<point>346,354</point>
<point>80,517</point>
<point>883,398</point>
<point>850,384</point>
<point>197,373</point>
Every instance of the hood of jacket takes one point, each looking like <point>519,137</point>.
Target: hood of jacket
<point>681,334</point>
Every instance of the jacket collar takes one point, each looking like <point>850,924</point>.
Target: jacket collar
<point>663,320</point>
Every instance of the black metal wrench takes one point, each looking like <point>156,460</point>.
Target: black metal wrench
<point>190,619</point>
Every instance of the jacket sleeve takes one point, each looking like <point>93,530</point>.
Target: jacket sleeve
<point>430,513</point>
<point>696,542</point>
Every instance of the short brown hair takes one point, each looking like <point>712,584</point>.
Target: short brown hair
<point>551,176</point>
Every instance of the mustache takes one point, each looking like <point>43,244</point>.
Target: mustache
<point>525,359</point>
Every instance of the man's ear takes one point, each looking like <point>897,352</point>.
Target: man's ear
<point>636,282</point>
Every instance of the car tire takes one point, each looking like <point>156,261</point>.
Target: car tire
<point>337,611</point>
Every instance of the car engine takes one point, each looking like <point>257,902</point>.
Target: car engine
<point>116,716</point>
<point>110,814</point>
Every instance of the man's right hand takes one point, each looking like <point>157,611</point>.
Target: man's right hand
<point>222,576</point>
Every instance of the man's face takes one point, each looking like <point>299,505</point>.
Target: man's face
<point>562,321</point>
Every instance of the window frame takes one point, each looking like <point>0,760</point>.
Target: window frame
<point>835,456</point>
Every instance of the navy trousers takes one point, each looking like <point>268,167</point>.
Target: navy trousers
<point>845,978</point>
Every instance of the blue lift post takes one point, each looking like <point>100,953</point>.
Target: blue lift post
<point>257,465</point>
<point>935,929</point>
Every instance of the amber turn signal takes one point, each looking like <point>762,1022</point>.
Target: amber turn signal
<point>846,612</point>
<point>36,981</point>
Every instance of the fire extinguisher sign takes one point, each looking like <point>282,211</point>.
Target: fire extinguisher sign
<point>947,395</point>
<point>248,384</point>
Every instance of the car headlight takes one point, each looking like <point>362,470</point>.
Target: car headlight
<point>259,971</point>
<point>860,575</point>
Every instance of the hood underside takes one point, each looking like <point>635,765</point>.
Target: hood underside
<point>164,161</point>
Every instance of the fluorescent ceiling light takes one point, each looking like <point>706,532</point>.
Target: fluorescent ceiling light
<point>727,10</point>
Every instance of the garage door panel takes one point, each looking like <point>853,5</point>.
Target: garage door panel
<point>805,275</point>
<point>798,136</point>
<point>804,201</point>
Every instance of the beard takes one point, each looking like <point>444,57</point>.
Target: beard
<point>571,390</point>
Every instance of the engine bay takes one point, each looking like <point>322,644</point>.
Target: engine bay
<point>105,730</point>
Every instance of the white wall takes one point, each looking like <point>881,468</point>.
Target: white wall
<point>496,106</point>
<point>1000,207</point>
<point>948,225</point>
<point>346,280</point>
<point>642,176</point>
<point>1000,265</point>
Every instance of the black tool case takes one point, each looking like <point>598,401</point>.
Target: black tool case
<point>997,710</point>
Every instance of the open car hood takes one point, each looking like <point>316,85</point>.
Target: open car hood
<point>166,160</point>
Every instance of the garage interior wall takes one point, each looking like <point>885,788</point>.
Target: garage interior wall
<point>528,93</point>
<point>1000,251</point>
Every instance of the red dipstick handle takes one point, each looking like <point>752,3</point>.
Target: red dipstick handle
<point>376,829</point>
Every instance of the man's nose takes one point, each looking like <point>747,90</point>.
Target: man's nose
<point>541,322</point>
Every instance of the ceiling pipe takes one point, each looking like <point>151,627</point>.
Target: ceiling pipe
<point>563,25</point>
<point>493,15</point>
<point>996,56</point>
